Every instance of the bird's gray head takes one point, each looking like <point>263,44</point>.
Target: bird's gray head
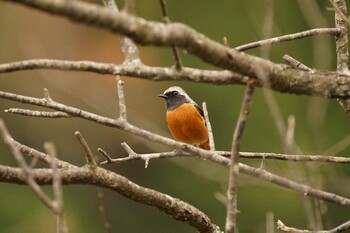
<point>175,96</point>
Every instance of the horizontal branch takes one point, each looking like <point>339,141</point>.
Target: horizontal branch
<point>28,112</point>
<point>64,65</point>
<point>246,155</point>
<point>129,69</point>
<point>280,77</point>
<point>174,207</point>
<point>295,158</point>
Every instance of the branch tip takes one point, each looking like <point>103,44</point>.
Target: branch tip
<point>88,153</point>
<point>104,153</point>
<point>47,94</point>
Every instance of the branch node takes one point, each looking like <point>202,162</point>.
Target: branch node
<point>128,149</point>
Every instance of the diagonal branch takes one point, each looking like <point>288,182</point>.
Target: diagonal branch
<point>28,176</point>
<point>281,77</point>
<point>343,227</point>
<point>100,177</point>
<point>289,37</point>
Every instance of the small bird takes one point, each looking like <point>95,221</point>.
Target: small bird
<point>185,118</point>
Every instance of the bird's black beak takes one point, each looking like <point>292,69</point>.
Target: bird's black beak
<point>162,96</point>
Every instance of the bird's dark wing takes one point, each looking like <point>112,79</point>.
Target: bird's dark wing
<point>199,110</point>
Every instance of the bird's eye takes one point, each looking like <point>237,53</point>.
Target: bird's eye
<point>175,93</point>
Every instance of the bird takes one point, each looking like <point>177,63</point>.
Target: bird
<point>185,118</point>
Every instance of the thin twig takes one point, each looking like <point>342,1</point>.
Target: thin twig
<point>245,155</point>
<point>289,37</point>
<point>234,167</point>
<point>173,48</point>
<point>88,153</point>
<point>57,189</point>
<point>25,168</point>
<point>122,105</point>
<point>343,227</point>
<point>36,113</point>
<point>45,158</point>
<point>289,60</point>
<point>132,155</point>
<point>208,124</point>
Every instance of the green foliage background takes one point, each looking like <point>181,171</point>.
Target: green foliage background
<point>320,123</point>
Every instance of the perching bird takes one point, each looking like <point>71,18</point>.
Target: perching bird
<point>185,118</point>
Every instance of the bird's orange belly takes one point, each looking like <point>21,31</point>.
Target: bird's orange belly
<point>187,125</point>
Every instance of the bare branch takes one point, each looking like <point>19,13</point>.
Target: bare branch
<point>300,188</point>
<point>320,83</point>
<point>294,62</point>
<point>246,155</point>
<point>115,123</point>
<point>290,37</point>
<point>234,166</point>
<point>11,175</point>
<point>280,225</point>
<point>63,65</point>
<point>122,105</point>
<point>208,124</point>
<point>28,177</point>
<point>214,156</point>
<point>129,69</point>
<point>174,207</point>
<point>342,47</point>
<point>132,155</point>
<point>57,189</point>
<point>173,48</point>
<point>32,153</point>
<point>34,113</point>
<point>88,153</point>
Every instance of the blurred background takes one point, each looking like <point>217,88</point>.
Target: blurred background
<point>321,125</point>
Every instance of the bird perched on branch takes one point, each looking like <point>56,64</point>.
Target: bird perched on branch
<point>185,118</point>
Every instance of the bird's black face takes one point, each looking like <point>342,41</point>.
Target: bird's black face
<point>173,99</point>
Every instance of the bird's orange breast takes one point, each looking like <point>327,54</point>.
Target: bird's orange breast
<point>187,125</point>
